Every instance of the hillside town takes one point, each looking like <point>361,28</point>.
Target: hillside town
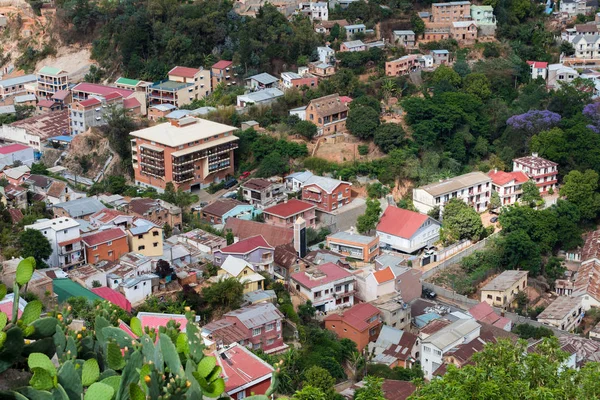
<point>343,199</point>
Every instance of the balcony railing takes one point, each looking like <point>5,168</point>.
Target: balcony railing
<point>200,154</point>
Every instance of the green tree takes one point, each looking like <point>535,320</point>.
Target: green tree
<point>531,194</point>
<point>461,221</point>
<point>363,122</point>
<point>372,390</point>
<point>34,244</point>
<point>445,74</point>
<point>272,164</point>
<point>417,24</point>
<point>528,331</point>
<point>478,85</point>
<point>226,293</point>
<point>321,379</point>
<point>519,251</point>
<point>366,101</point>
<point>495,201</point>
<point>309,392</point>
<point>389,136</point>
<point>306,129</point>
<point>580,189</point>
<point>368,221</point>
<point>94,75</point>
<point>307,312</point>
<point>229,237</point>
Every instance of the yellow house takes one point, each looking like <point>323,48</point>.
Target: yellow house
<point>243,272</point>
<point>503,289</point>
<point>145,238</point>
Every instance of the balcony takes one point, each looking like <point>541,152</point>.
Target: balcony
<point>181,178</point>
<point>153,164</point>
<point>201,154</point>
<point>152,155</point>
<point>161,95</point>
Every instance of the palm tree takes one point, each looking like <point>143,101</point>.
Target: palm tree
<point>355,363</point>
<point>388,87</point>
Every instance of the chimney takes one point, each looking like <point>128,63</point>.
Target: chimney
<point>300,237</point>
<point>496,170</point>
<point>534,154</point>
<point>175,122</point>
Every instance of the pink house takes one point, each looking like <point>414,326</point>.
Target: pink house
<point>285,214</point>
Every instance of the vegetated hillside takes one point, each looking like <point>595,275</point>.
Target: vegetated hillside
<point>88,153</point>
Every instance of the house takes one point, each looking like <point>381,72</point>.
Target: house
<point>59,192</point>
<point>291,80</point>
<point>16,195</point>
<point>65,241</point>
<point>434,347</point>
<point>558,73</point>
<point>159,111</point>
<point>564,313</point>
<point>222,72</point>
<point>242,271</point>
<point>92,112</point>
<point>262,325</point>
<point>568,34</point>
<point>361,323</point>
<point>204,241</point>
<point>16,152</point>
<point>245,374</point>
<point>288,261</point>
<point>404,38</point>
<point>372,284</point>
<point>464,31</point>
<point>255,250</point>
<point>261,81</point>
<point>502,290</point>
<point>352,30</point>
<point>402,65</point>
<point>157,210</point>
<point>114,297</point>
<point>321,69</point>
<point>145,237</point>
<point>574,7</point>
<point>327,194</point>
<point>274,235</point>
<point>17,175</point>
<point>285,214</point>
<point>51,80</point>
<point>139,288</point>
<point>328,286</point>
<point>80,208</point>
<point>84,91</point>
<point>219,211</point>
<point>587,279</point>
<point>295,181</point>
<point>350,244</point>
<point>62,98</point>
<point>132,84</point>
<point>353,45</point>
<point>258,192</point>
<point>315,11</point>
<point>88,276</point>
<point>408,283</point>
<point>586,47</point>
<point>222,334</point>
<point>474,188</point>
<point>394,348</point>
<point>182,86</point>
<point>595,332</point>
<point>440,57</point>
<point>483,312</point>
<point>16,215</point>
<point>325,26</point>
<point>35,131</point>
<point>326,54</point>
<point>14,86</point>
<point>110,216</point>
<point>543,172</point>
<point>261,97</point>
<point>508,185</point>
<point>395,312</point>
<point>106,244</point>
<point>407,231</point>
<point>38,183</point>
<point>485,19</point>
<point>25,100</point>
<point>538,69</point>
<point>191,152</point>
<point>392,389</point>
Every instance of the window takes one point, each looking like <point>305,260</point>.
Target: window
<point>155,244</point>
<point>498,298</point>
<point>95,248</point>
<point>96,258</point>
<point>241,395</point>
<point>256,346</point>
<point>135,287</point>
<point>270,341</point>
<point>270,327</point>
<point>256,331</point>
<point>110,253</point>
<point>155,233</point>
<point>141,247</point>
<point>317,294</point>
<point>140,236</point>
<point>489,296</point>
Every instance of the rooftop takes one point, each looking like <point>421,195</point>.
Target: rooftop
<point>66,288</point>
<point>241,368</point>
<point>224,331</point>
<point>171,86</point>
<point>81,207</point>
<point>234,266</point>
<point>263,78</point>
<point>12,148</point>
<point>46,125</point>
<point>384,275</point>
<point>25,97</point>
<point>185,72</point>
<point>156,320</point>
<point>221,206</point>
<point>354,43</point>
<point>51,71</point>
<point>356,316</point>
<point>352,237</point>
<point>505,280</point>
<point>256,314</point>
<point>164,107</point>
<point>173,136</point>
<point>56,189</point>
<point>257,184</point>
<point>401,222</point>
<point>452,333</point>
<point>127,81</point>
<point>560,308</point>
<point>320,275</point>
<point>246,246</point>
<point>114,297</point>
<point>56,224</point>
<point>535,162</point>
<point>456,183</point>
<point>222,64</point>
<point>19,80</point>
<point>263,95</point>
<point>103,236</point>
<point>327,184</point>
<point>274,235</point>
<point>591,247</point>
<point>101,90</point>
<point>205,238</point>
<point>289,208</point>
<point>502,178</point>
<point>538,64</point>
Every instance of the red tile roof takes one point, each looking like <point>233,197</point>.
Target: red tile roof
<point>107,214</point>
<point>131,103</point>
<point>331,271</point>
<point>11,148</point>
<point>241,367</point>
<point>222,64</point>
<point>501,178</point>
<point>114,297</point>
<point>384,275</point>
<point>481,310</point>
<point>356,316</point>
<point>184,71</point>
<point>156,320</point>
<point>92,101</point>
<point>101,90</point>
<point>400,222</point>
<point>346,99</point>
<point>397,390</point>
<point>274,235</point>
<point>289,209</point>
<point>15,215</point>
<point>45,103</point>
<point>538,64</point>
<point>247,245</point>
<point>103,236</point>
<point>113,95</point>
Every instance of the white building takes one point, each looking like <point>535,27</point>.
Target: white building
<point>474,188</point>
<point>139,288</point>
<point>435,346</point>
<point>558,73</point>
<point>315,11</point>
<point>328,286</point>
<point>538,69</point>
<point>12,153</point>
<point>425,61</point>
<point>564,313</point>
<point>406,231</point>
<point>296,180</point>
<point>326,54</point>
<point>508,185</point>
<point>373,284</point>
<point>586,46</point>
<point>65,239</point>
<point>574,7</point>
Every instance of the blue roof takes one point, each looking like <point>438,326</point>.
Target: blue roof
<point>440,51</point>
<point>164,107</point>
<point>81,207</point>
<point>19,80</point>
<point>422,320</point>
<point>62,138</point>
<point>177,114</point>
<point>264,78</point>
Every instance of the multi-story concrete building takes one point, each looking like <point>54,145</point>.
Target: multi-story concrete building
<point>14,86</point>
<point>315,11</point>
<point>190,152</point>
<point>350,244</point>
<point>407,231</point>
<point>352,30</point>
<point>255,250</point>
<point>564,313</point>
<point>106,244</point>
<point>327,194</point>
<point>451,12</point>
<point>145,238</point>
<point>84,90</point>
<point>406,38</point>
<point>474,188</point>
<point>485,19</point>
<point>559,73</point>
<point>291,80</point>
<point>258,192</point>
<point>543,172</point>
<point>574,7</point>
<point>329,113</point>
<point>503,289</point>
<point>132,84</point>
<point>328,286</point>
<point>508,185</point>
<point>464,31</point>
<point>538,69</point>
<point>361,324</point>
<point>51,80</point>
<point>86,114</point>
<point>285,214</point>
<point>65,239</point>
<point>182,86</point>
<point>402,65</point>
<point>222,71</point>
<point>156,210</point>
<point>261,324</point>
<point>587,47</point>
<point>326,54</point>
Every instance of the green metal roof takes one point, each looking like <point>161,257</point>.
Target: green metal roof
<point>127,81</point>
<point>66,288</point>
<point>50,71</point>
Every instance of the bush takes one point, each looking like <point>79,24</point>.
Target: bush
<point>363,149</point>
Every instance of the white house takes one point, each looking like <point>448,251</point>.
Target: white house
<point>558,73</point>
<point>406,231</point>
<point>474,188</point>
<point>326,54</point>
<point>296,180</point>
<point>315,10</point>
<point>425,61</point>
<point>435,346</point>
<point>328,286</point>
<point>260,97</point>
<point>586,46</point>
<point>508,185</point>
<point>65,239</point>
<point>139,288</point>
<point>564,313</point>
<point>538,69</point>
<point>352,30</point>
<point>373,284</point>
<point>15,152</point>
<point>574,7</point>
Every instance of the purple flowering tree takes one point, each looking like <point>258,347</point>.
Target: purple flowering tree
<point>592,111</point>
<point>534,121</point>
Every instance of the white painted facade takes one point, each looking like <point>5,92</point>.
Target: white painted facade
<point>324,297</point>
<point>19,135</point>
<point>57,231</point>
<point>369,289</point>
<point>139,288</point>
<point>426,235</point>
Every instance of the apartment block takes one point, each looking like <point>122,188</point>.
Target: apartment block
<point>51,80</point>
<point>65,239</point>
<point>564,313</point>
<point>543,172</point>
<point>190,152</point>
<point>451,12</point>
<point>402,65</point>
<point>145,238</point>
<point>405,38</point>
<point>285,214</point>
<point>474,188</point>
<point>86,114</point>
<point>328,286</point>
<point>106,244</point>
<point>508,185</point>
<point>15,86</point>
<point>329,113</point>
<point>182,86</point>
<point>360,323</point>
<point>327,194</point>
<point>222,71</point>
<point>132,84</point>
